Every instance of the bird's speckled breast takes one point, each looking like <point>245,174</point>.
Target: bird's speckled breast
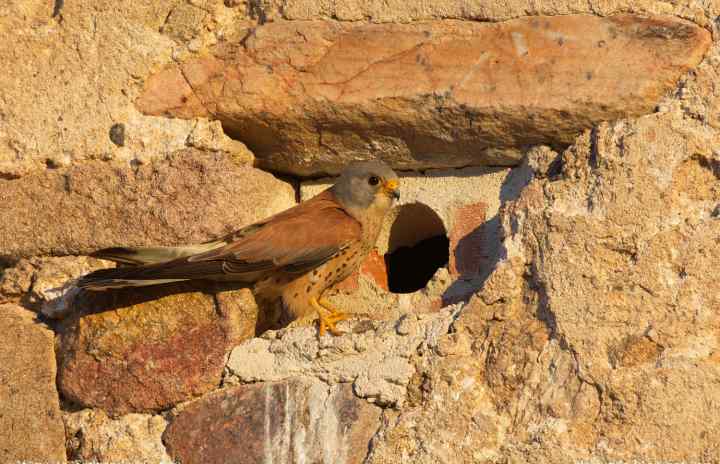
<point>297,294</point>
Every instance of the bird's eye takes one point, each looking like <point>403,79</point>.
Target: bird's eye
<point>374,180</point>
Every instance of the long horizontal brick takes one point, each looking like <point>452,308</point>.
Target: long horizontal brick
<point>307,96</point>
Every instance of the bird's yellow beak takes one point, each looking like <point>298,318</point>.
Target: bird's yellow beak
<point>391,188</point>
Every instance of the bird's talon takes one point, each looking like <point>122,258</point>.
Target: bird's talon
<point>328,317</point>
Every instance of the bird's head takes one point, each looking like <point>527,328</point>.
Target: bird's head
<point>367,185</point>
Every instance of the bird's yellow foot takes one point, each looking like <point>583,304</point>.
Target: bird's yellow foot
<point>329,316</point>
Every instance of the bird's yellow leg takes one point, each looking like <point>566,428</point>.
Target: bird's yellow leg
<point>335,313</point>
<point>329,316</point>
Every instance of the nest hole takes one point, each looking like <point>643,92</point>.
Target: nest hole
<point>418,247</point>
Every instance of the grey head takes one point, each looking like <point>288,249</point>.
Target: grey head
<point>364,184</point>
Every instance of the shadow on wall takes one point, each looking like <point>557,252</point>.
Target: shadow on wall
<point>489,235</point>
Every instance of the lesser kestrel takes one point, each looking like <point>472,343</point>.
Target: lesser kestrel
<point>293,256</point>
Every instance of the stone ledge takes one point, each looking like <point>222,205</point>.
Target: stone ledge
<point>371,355</point>
<point>308,96</point>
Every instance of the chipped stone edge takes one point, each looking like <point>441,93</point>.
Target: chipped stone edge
<point>427,328</point>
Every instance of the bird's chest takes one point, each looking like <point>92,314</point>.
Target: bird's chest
<point>340,266</point>
<point>348,260</point>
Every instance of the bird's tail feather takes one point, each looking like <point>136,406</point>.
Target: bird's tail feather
<point>150,274</point>
<point>153,255</point>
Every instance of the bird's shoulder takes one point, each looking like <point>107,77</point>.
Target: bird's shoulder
<point>313,230</point>
<point>322,208</point>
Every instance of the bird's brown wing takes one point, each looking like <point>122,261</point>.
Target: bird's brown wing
<point>294,241</point>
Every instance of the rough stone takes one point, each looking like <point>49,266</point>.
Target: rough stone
<point>480,92</point>
<point>209,136</point>
<point>297,420</point>
<point>31,427</point>
<point>191,197</point>
<point>595,339</point>
<point>403,11</point>
<point>468,250</point>
<point>48,284</point>
<point>136,438</point>
<point>61,96</point>
<point>16,281</point>
<point>635,262</point>
<point>369,356</point>
<point>460,396</point>
<point>148,349</point>
<point>622,248</point>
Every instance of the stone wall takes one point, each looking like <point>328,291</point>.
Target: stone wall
<point>565,154</point>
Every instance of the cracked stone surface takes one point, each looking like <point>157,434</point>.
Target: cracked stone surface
<point>595,340</point>
<point>594,333</point>
<point>307,97</point>
<point>403,11</point>
<point>374,356</point>
<point>48,284</point>
<point>623,256</point>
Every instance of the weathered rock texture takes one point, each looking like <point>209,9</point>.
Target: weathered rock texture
<point>48,284</point>
<point>192,197</point>
<point>597,338</point>
<point>93,437</point>
<point>402,11</point>
<point>621,249</point>
<point>593,334</point>
<point>149,349</point>
<point>309,96</point>
<point>373,356</point>
<point>31,427</point>
<point>70,78</point>
<point>292,421</point>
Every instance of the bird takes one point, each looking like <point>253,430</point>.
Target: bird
<point>290,258</point>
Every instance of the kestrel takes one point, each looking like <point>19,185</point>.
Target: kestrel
<point>293,256</point>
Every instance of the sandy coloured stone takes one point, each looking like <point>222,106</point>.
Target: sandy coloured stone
<point>62,97</point>
<point>307,96</point>
<point>94,437</point>
<point>403,11</point>
<point>31,428</point>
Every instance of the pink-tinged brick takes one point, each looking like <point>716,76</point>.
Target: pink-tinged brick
<point>467,244</point>
<point>373,268</point>
<point>349,285</point>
